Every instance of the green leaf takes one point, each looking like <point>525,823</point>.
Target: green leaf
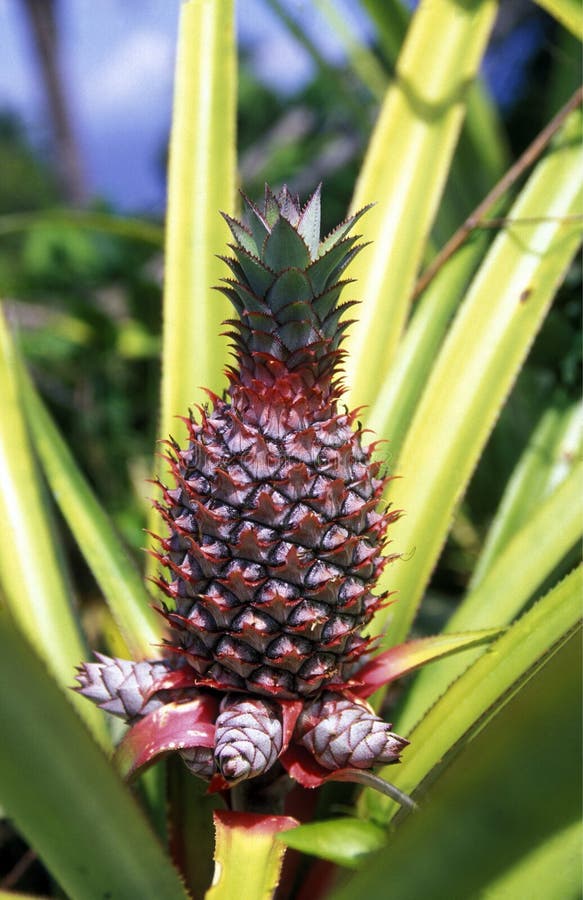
<point>52,772</point>
<point>284,248</point>
<point>477,365</point>
<point>309,223</point>
<point>291,286</point>
<point>32,576</point>
<point>567,12</point>
<point>112,568</point>
<point>484,689</point>
<point>399,394</point>
<point>342,841</point>
<point>133,229</point>
<point>527,561</point>
<point>201,182</point>
<point>404,173</point>
<point>502,811</point>
<point>481,156</point>
<point>551,869</point>
<point>550,454</point>
<point>248,857</point>
<point>257,275</point>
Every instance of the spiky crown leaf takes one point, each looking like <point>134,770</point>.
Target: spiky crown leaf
<point>287,285</point>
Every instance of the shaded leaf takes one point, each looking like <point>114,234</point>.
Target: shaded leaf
<point>52,771</point>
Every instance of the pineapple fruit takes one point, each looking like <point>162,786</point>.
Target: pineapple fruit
<point>274,541</point>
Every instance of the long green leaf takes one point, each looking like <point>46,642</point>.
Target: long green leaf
<point>133,229</point>
<point>31,572</point>
<point>363,61</point>
<point>483,143</point>
<point>63,795</point>
<point>549,456</point>
<point>201,182</point>
<point>568,12</point>
<point>499,815</point>
<point>485,688</point>
<point>114,571</point>
<point>477,365</point>
<point>398,395</point>
<point>525,564</point>
<point>404,172</point>
<point>391,18</point>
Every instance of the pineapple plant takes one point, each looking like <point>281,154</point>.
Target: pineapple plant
<point>248,727</point>
<point>275,538</point>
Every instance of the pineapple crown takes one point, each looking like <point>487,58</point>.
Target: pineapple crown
<point>287,285</point>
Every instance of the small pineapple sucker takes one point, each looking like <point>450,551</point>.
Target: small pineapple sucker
<point>341,733</point>
<point>249,737</point>
<point>275,542</point>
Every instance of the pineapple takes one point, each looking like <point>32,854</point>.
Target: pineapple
<point>274,542</point>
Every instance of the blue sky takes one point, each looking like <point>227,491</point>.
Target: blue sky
<point>118,58</point>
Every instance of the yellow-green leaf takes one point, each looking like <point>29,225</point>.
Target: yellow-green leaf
<point>568,12</point>
<point>477,365</point>
<point>201,183</point>
<point>527,561</point>
<point>485,688</point>
<point>32,577</point>
<point>114,571</point>
<point>404,173</point>
<point>248,857</point>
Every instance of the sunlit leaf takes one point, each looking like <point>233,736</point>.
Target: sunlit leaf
<point>248,857</point>
<point>485,688</point>
<point>567,12</point>
<point>404,171</point>
<point>201,183</point>
<point>549,456</point>
<point>477,365</point>
<point>33,580</point>
<point>114,571</point>
<point>527,561</point>
<point>342,841</point>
